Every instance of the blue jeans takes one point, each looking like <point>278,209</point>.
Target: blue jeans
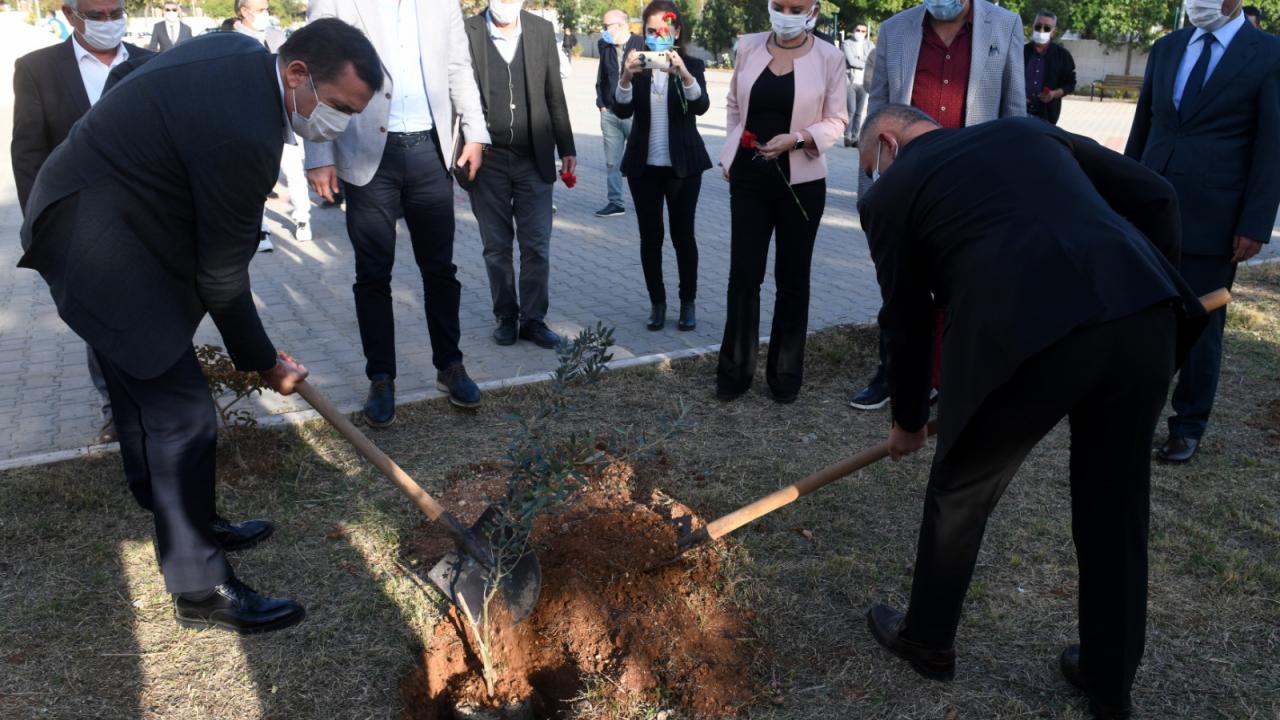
<point>615,131</point>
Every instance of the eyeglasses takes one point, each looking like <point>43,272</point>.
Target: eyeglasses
<point>173,9</point>
<point>1043,28</point>
<point>96,16</point>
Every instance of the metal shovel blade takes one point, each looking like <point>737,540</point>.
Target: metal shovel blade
<point>464,580</point>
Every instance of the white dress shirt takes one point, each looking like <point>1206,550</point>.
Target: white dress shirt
<point>506,46</point>
<point>1224,35</point>
<point>171,29</point>
<point>659,114</point>
<point>410,106</point>
<point>92,72</point>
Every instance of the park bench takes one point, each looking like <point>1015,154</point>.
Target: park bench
<point>1119,85</point>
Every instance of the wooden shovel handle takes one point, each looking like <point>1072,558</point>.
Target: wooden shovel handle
<point>365,446</point>
<point>722,526</point>
<point>1216,299</point>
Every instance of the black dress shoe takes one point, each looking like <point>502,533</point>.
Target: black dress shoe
<point>886,625</point>
<point>783,398</point>
<point>1069,663</point>
<point>380,407</point>
<point>461,388</point>
<point>242,535</point>
<point>507,332</point>
<point>537,332</point>
<point>688,317</point>
<point>873,396</point>
<point>729,393</point>
<point>657,317</point>
<point>236,607</point>
<point>1177,449</point>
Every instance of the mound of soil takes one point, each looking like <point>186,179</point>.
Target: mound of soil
<point>663,636</point>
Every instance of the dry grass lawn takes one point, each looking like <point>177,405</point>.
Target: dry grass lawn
<point>86,628</point>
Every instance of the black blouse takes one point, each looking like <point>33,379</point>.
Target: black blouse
<point>773,98</point>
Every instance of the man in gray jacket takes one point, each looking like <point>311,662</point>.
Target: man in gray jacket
<point>960,61</point>
<point>395,161</point>
<point>857,54</point>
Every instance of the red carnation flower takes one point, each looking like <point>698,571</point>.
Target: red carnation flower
<point>748,140</point>
<point>660,32</point>
<point>569,179</point>
<point>1047,89</point>
<point>669,17</point>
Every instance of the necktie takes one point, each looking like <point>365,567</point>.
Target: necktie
<point>1195,83</point>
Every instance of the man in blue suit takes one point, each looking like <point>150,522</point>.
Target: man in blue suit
<point>1208,120</point>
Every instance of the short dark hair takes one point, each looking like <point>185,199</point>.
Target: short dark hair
<point>1047,13</point>
<point>861,24</point>
<point>327,46</point>
<point>904,114</point>
<point>1252,11</point>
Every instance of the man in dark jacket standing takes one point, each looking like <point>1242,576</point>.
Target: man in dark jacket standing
<point>52,88</point>
<point>1050,70</point>
<point>171,30</point>
<point>1208,120</point>
<point>616,42</point>
<point>517,67</point>
<point>143,222</point>
<point>1083,324</point>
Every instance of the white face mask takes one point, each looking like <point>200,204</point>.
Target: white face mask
<point>325,122</point>
<point>505,13</point>
<point>859,36</point>
<point>1206,14</point>
<point>787,26</point>
<point>875,174</point>
<point>260,21</point>
<point>104,35</point>
<point>171,16</point>
<point>1041,38</point>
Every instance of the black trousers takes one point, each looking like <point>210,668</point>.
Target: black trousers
<point>1198,379</point>
<point>1110,380</point>
<point>168,431</point>
<point>648,191</point>
<point>411,182</point>
<point>760,205</point>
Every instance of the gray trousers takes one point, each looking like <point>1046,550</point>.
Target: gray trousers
<point>615,132</point>
<point>857,107</point>
<point>511,201</point>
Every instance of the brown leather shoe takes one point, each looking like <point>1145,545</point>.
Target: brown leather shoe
<point>1069,663</point>
<point>1177,449</point>
<point>886,625</point>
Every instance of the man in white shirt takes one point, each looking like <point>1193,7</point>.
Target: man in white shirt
<point>171,30</point>
<point>394,161</point>
<point>53,87</point>
<point>517,61</point>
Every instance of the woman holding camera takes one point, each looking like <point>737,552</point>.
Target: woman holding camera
<point>786,107</point>
<point>665,90</point>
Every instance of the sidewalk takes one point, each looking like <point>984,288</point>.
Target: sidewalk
<point>304,289</point>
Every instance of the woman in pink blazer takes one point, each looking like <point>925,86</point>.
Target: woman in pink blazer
<point>788,93</point>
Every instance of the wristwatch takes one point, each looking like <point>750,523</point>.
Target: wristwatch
<point>799,141</point>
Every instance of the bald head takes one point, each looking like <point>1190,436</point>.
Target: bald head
<point>887,129</point>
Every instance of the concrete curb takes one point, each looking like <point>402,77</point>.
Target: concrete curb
<point>298,417</point>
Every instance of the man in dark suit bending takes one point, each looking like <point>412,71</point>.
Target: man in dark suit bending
<point>143,221</point>
<point>1077,319</point>
<point>52,88</point>
<point>1208,120</point>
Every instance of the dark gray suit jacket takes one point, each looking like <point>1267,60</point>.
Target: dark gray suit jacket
<point>1224,160</point>
<point>48,98</point>
<point>160,40</point>
<point>549,119</point>
<point>147,216</point>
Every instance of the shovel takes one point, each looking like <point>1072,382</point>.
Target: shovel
<point>722,526</point>
<point>466,572</point>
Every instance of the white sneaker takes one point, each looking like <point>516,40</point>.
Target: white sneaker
<point>264,245</point>
<point>302,232</point>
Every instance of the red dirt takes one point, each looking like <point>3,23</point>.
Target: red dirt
<point>634,636</point>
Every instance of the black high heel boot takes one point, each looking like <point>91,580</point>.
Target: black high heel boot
<point>657,317</point>
<point>688,318</point>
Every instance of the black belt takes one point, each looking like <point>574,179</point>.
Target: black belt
<point>409,139</point>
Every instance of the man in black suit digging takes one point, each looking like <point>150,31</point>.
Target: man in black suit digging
<point>146,219</point>
<point>1078,319</point>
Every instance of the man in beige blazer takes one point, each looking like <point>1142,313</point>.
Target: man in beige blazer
<point>395,160</point>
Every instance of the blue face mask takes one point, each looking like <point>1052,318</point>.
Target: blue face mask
<point>659,44</point>
<point>944,10</point>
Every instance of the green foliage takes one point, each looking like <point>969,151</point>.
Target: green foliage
<point>285,10</point>
<point>228,386</point>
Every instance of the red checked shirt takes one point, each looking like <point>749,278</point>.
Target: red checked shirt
<point>942,75</point>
